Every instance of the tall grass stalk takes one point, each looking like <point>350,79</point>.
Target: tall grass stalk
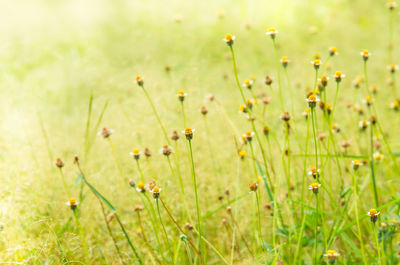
<point>82,236</point>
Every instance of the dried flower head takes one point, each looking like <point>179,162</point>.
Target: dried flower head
<point>373,214</point>
<point>138,208</point>
<point>72,203</point>
<point>209,97</point>
<point>59,163</point>
<point>345,144</point>
<point>272,32</point>
<point>132,183</point>
<point>314,187</point>
<point>286,116</point>
<point>188,133</point>
<point>147,152</point>
<point>268,80</point>
<point>229,39</point>
<point>139,80</point>
<point>166,150</point>
<point>174,136</point>
<point>203,110</point>
<point>105,132</point>
<point>253,187</point>
<point>266,100</point>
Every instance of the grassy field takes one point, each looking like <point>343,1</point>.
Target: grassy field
<point>143,69</point>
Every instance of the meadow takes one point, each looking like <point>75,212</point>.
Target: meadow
<point>199,132</point>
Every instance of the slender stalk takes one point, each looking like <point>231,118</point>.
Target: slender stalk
<point>278,73</point>
<point>165,231</point>
<point>140,170</point>
<point>259,221</point>
<point>336,96</point>
<point>316,230</point>
<point>313,117</point>
<point>378,247</point>
<point>115,157</point>
<point>82,236</point>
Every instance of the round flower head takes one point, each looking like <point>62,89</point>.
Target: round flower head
<point>374,89</point>
<point>328,108</point>
<point>174,136</point>
<point>188,133</point>
<point>286,116</point>
<point>156,192</point>
<point>317,63</point>
<point>203,110</point>
<point>285,61</point>
<point>250,103</point>
<point>105,132</point>
<point>242,108</point>
<point>373,214</point>
<point>312,101</point>
<point>306,112</point>
<point>313,172</point>
<point>209,97</point>
<point>147,152</point>
<point>59,163</point>
<point>268,80</point>
<point>333,51</point>
<point>248,83</point>
<point>391,5</point>
<point>242,154</point>
<point>249,135</point>
<point>335,128</point>
<point>339,76</point>
<point>356,164</point>
<point>253,187</point>
<point>378,157</point>
<point>166,150</point>
<point>266,100</point>
<point>139,80</point>
<point>365,54</point>
<point>395,105</point>
<point>332,255</point>
<point>324,80</point>
<point>72,203</point>
<point>345,144</point>
<point>266,130</point>
<point>181,95</point>
<point>140,187</point>
<point>151,185</point>
<point>132,183</point>
<point>363,124</point>
<point>138,208</point>
<point>244,139</point>
<point>368,100</point>
<point>229,38</point>
<point>393,68</point>
<point>135,153</point>
<point>314,187</point>
<point>272,32</point>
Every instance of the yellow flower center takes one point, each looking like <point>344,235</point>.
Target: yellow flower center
<point>314,185</point>
<point>156,190</point>
<point>333,49</point>
<point>284,59</point>
<point>271,30</point>
<point>247,82</point>
<point>317,61</point>
<point>135,151</point>
<point>181,93</point>
<point>365,52</point>
<point>312,98</point>
<point>242,153</point>
<point>188,130</point>
<point>338,74</point>
<point>72,202</point>
<point>140,185</point>
<point>228,37</point>
<point>138,78</point>
<point>372,212</point>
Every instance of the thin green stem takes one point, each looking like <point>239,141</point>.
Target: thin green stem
<point>165,231</point>
<point>116,157</point>
<point>82,236</point>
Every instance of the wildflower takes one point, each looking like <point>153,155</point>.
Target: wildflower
<point>249,135</point>
<point>272,32</point>
<point>188,133</point>
<point>286,116</point>
<point>313,172</point>
<point>72,203</point>
<point>242,154</point>
<point>188,226</point>
<point>268,80</point>
<point>250,103</point>
<point>339,76</point>
<point>248,83</point>
<point>363,124</point>
<point>203,110</point>
<point>395,105</point>
<point>321,105</point>
<point>147,152</point>
<point>378,157</point>
<point>328,108</point>
<point>317,55</point>
<point>393,68</point>
<point>181,95</point>
<point>321,136</point>
<point>374,89</point>
<point>365,54</point>
<point>335,128</point>
<point>151,185</point>
<point>317,63</point>
<point>132,183</point>
<point>314,187</point>
<point>377,145</point>
<point>253,187</point>
<point>324,80</point>
<point>229,38</point>
<point>59,163</point>
<point>136,153</point>
<point>368,101</point>
<point>373,214</point>
<point>210,97</point>
<point>333,51</point>
<point>139,80</point>
<point>140,187</point>
<point>357,82</point>
<point>345,144</point>
<point>266,130</point>
<point>391,5</point>
<point>242,108</point>
<point>306,112</point>
<point>312,101</point>
<point>138,208</point>
<point>156,192</point>
<point>105,132</point>
<point>332,256</point>
<point>166,150</point>
<point>266,100</point>
<point>174,136</point>
<point>372,119</point>
<point>356,164</point>
<point>285,61</point>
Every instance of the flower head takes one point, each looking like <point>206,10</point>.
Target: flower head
<point>317,63</point>
<point>139,80</point>
<point>59,163</point>
<point>248,135</point>
<point>324,80</point>
<point>391,5</point>
<point>156,192</point>
<point>339,76</point>
<point>395,105</point>
<point>365,54</point>
<point>356,164</point>
<point>72,203</point>
<point>268,80</point>
<point>286,116</point>
<point>229,38</point>
<point>272,32</point>
<point>188,133</point>
<point>333,51</point>
<point>253,187</point>
<point>363,124</point>
<point>335,128</point>
<point>174,136</point>
<point>203,110</point>
<point>132,183</point>
<point>248,83</point>
<point>313,172</point>
<point>285,61</point>
<point>378,157</point>
<point>332,255</point>
<point>314,187</point>
<point>393,67</point>
<point>312,101</point>
<point>181,95</point>
<point>166,150</point>
<point>105,132</point>
<point>135,153</point>
<point>242,154</point>
<point>140,187</point>
<point>368,100</point>
<point>242,108</point>
<point>373,214</point>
